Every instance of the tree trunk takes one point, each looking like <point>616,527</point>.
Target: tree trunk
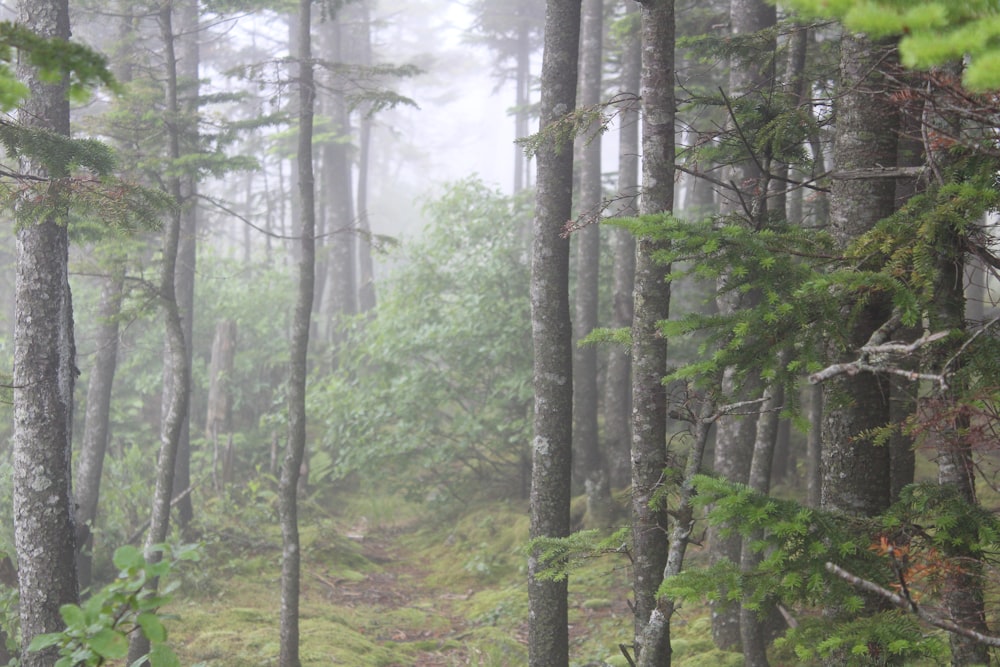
<point>649,347</point>
<point>523,93</point>
<point>366,270</point>
<point>187,252</point>
<point>90,461</point>
<point>219,419</point>
<point>963,589</point>
<point>295,450</point>
<point>618,390</point>
<point>44,373</point>
<point>176,371</point>
<point>753,623</point>
<point>855,472</point>
<point>734,438</point>
<point>551,332</point>
<point>586,445</point>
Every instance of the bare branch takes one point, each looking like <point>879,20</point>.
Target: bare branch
<point>907,605</point>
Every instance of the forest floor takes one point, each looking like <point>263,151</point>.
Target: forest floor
<point>385,590</point>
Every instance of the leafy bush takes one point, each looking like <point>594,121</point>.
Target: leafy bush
<point>438,382</point>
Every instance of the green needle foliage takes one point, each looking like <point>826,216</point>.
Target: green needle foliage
<point>55,58</point>
<point>98,630</point>
<point>933,32</point>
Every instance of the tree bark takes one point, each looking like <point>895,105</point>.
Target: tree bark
<point>90,461</point>
<point>44,372</point>
<point>295,450</point>
<point>649,347</point>
<point>592,467</point>
<point>551,332</point>
<point>618,390</point>
<point>855,472</point>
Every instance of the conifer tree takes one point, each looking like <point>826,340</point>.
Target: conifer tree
<point>44,366</point>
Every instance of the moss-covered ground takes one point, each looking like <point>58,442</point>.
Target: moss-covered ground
<point>385,584</point>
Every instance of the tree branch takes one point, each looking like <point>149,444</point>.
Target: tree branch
<point>906,605</point>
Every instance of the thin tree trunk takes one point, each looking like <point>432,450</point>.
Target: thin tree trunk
<point>366,270</point>
<point>753,623</point>
<point>551,332</point>
<point>176,371</point>
<point>586,446</point>
<point>44,373</point>
<point>90,461</point>
<point>187,252</point>
<point>618,390</point>
<point>295,450</point>
<point>735,434</point>
<point>649,346</point>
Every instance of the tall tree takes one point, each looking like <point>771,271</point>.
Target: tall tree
<point>176,364</point>
<point>295,448</point>
<point>751,78</point>
<point>551,332</point>
<point>44,367</point>
<point>649,346</point>
<point>189,60</point>
<point>855,472</point>
<point>618,390</point>
<point>590,462</point>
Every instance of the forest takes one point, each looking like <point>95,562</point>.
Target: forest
<point>500,332</point>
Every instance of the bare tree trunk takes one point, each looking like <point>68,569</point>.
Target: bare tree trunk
<point>753,623</point>
<point>44,373</point>
<point>586,446</point>
<point>618,390</point>
<point>366,270</point>
<point>522,94</point>
<point>551,332</point>
<point>219,418</point>
<point>176,371</point>
<point>295,450</point>
<point>187,252</point>
<point>90,461</point>
<point>649,346</point>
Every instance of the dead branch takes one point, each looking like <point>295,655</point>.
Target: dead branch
<point>910,606</point>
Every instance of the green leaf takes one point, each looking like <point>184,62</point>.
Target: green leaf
<point>128,558</point>
<point>40,642</point>
<point>72,616</point>
<point>151,627</point>
<point>109,644</point>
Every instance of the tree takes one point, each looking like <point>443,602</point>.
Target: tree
<point>649,347</point>
<point>44,365</point>
<point>551,331</point>
<point>618,390</point>
<point>586,446</point>
<point>176,366</point>
<point>751,80</point>
<point>295,447</point>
